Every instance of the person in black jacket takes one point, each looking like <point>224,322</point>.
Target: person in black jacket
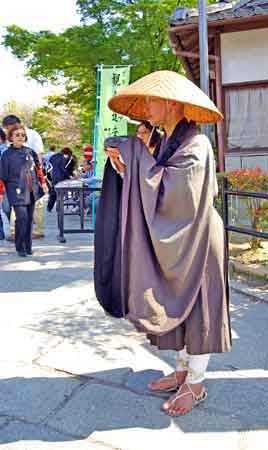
<point>22,178</point>
<point>3,147</point>
<point>63,165</point>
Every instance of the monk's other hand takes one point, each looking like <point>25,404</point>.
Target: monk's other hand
<point>112,152</point>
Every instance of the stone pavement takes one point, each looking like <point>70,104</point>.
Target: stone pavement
<point>73,378</point>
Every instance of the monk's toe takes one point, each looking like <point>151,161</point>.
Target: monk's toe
<point>166,406</point>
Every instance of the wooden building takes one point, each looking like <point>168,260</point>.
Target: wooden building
<point>238,67</point>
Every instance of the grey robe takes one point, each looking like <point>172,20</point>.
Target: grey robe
<point>173,254</point>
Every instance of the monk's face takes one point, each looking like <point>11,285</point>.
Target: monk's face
<point>156,111</point>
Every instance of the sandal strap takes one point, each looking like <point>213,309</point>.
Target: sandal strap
<point>201,397</point>
<point>196,398</point>
<point>179,394</point>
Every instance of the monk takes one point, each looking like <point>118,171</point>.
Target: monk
<point>163,265</point>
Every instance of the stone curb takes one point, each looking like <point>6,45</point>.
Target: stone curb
<point>253,293</point>
<point>252,273</point>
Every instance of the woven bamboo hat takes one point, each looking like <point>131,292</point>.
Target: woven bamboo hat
<point>165,85</point>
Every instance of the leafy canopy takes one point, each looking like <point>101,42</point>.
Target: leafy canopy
<point>111,32</point>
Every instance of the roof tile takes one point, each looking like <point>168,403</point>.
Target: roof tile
<point>221,11</point>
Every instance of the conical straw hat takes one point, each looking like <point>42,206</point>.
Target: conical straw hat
<point>165,85</point>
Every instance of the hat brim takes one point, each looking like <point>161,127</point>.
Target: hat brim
<point>134,107</point>
<point>165,85</point>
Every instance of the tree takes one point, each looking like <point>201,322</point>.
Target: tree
<point>111,32</point>
<point>59,126</point>
<point>22,110</point>
<point>62,126</point>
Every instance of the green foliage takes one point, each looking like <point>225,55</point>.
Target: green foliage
<point>111,32</point>
<point>59,125</point>
<point>252,180</point>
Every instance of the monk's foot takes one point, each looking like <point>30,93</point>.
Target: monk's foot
<point>169,383</point>
<point>187,397</point>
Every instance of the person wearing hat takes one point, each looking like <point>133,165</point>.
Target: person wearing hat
<point>160,255</point>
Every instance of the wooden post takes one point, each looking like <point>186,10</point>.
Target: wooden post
<point>203,52</point>
<point>219,97</point>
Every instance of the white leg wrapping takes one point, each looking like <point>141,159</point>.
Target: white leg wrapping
<point>195,365</point>
<point>182,362</point>
<point>197,368</point>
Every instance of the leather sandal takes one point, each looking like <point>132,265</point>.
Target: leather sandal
<point>197,399</point>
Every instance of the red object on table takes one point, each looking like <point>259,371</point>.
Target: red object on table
<point>88,153</point>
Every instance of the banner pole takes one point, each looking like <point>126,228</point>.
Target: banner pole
<point>96,127</point>
<point>96,131</point>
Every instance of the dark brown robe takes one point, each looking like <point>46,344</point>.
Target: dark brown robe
<point>173,263</point>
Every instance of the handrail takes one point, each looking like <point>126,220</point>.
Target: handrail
<point>238,193</point>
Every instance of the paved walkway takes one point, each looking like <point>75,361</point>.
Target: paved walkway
<point>72,378</point>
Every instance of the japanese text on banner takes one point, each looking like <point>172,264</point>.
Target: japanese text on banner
<point>110,124</point>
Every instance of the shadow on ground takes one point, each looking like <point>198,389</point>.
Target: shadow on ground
<point>89,325</point>
<point>27,280</point>
<point>37,273</point>
<point>81,410</point>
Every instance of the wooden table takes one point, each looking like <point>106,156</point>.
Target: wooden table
<point>80,188</point>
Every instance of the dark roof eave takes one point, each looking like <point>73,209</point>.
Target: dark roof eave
<point>220,22</point>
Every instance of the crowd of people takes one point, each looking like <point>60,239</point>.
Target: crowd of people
<point>27,173</point>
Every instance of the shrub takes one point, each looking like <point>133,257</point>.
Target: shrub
<point>252,180</point>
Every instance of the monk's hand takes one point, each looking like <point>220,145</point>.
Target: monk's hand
<point>113,154</point>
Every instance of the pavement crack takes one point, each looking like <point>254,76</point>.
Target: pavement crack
<point>47,350</point>
<point>63,403</point>
<point>6,422</point>
<point>79,377</point>
<point>13,419</point>
<point>83,436</point>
